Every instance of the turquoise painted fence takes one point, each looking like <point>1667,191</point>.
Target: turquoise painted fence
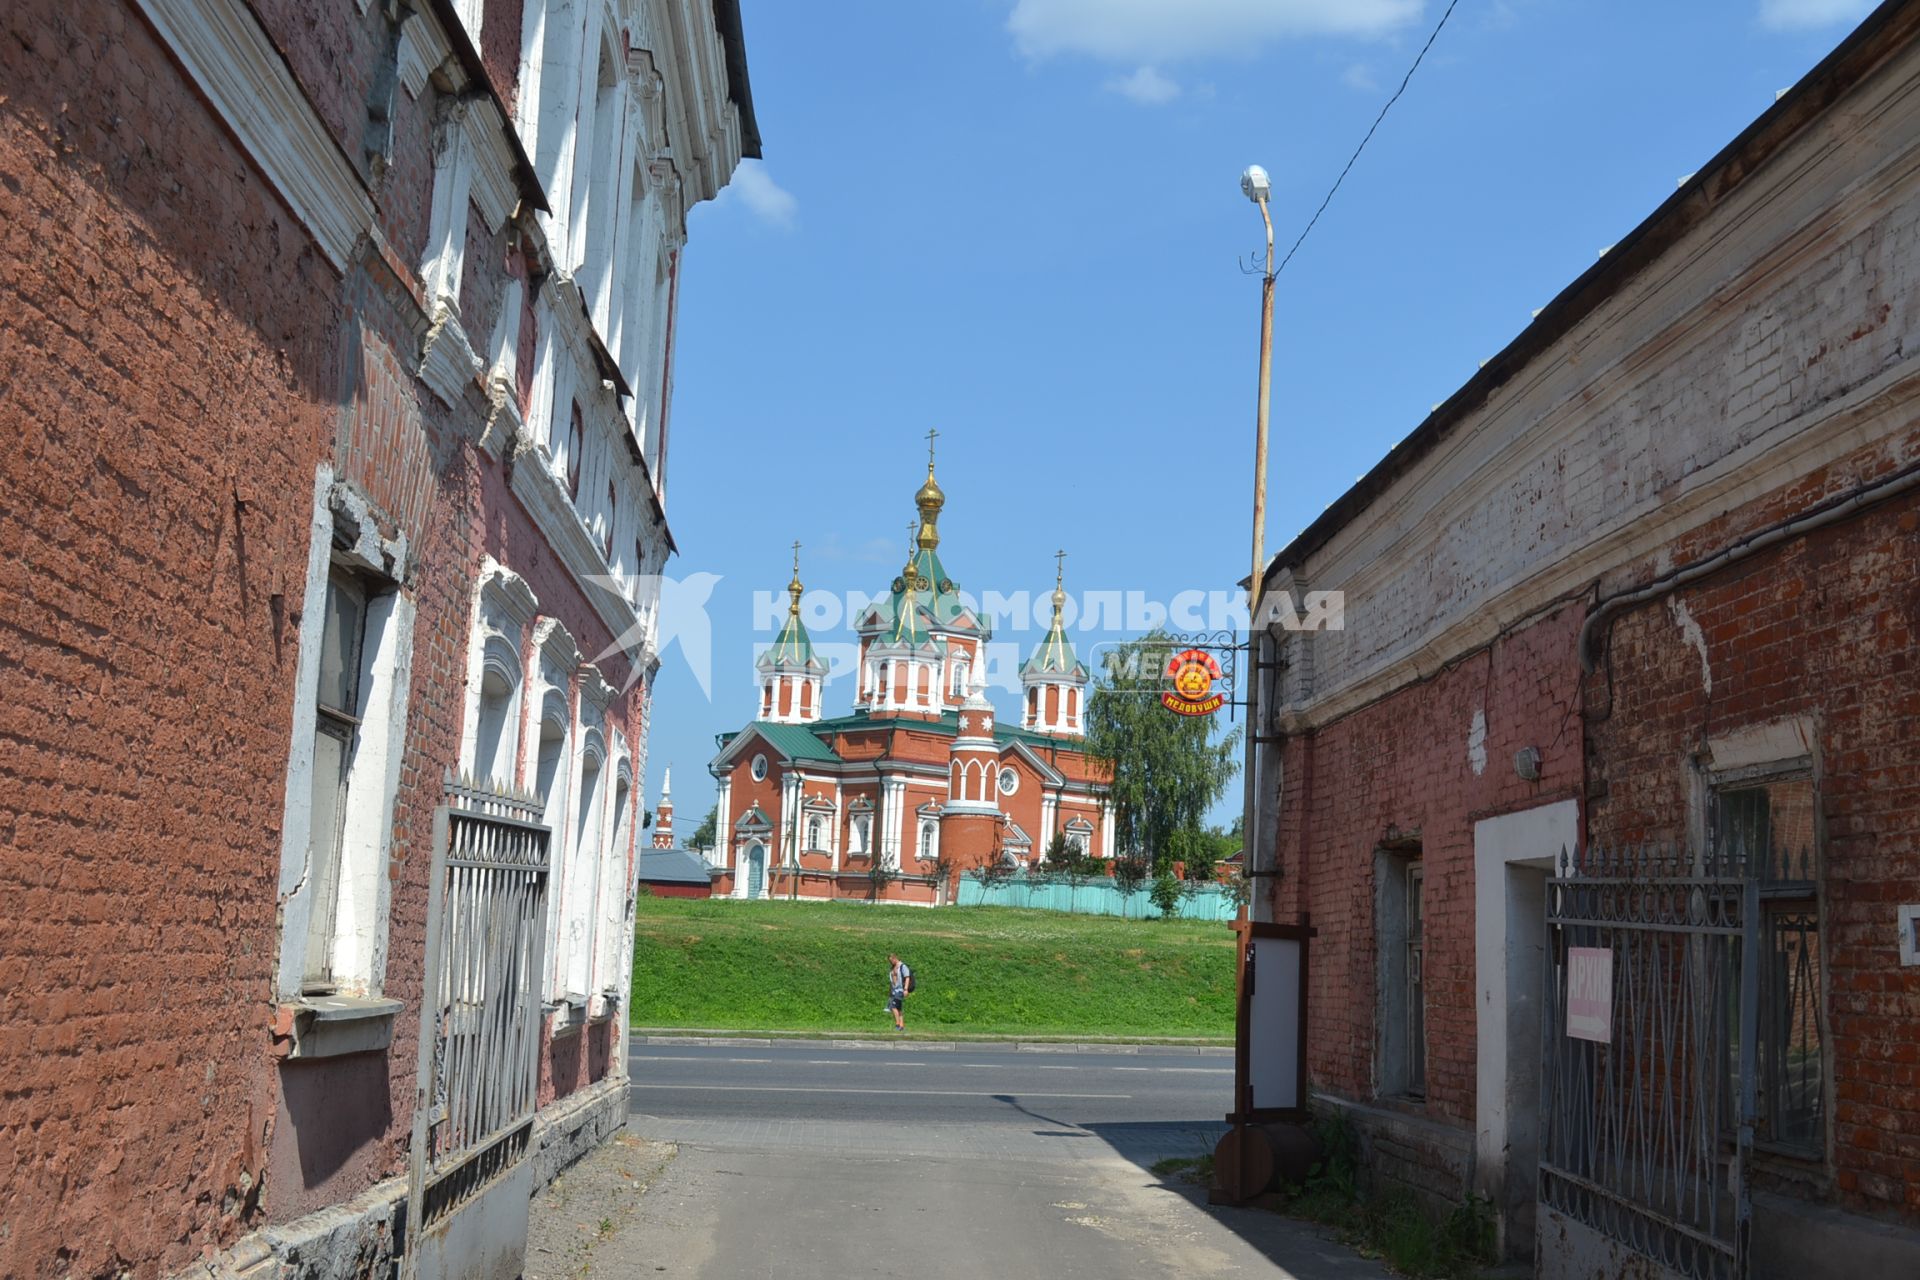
<point>1096,898</point>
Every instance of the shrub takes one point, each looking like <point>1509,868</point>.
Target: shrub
<point>1166,893</point>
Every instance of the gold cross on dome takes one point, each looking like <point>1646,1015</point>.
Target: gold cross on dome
<point>1059,567</point>
<point>796,557</point>
<point>933,434</point>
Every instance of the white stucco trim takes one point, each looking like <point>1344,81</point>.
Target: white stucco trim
<point>230,59</point>
<point>296,824</point>
<point>373,779</point>
<point>1530,838</point>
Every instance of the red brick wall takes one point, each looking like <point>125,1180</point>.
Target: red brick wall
<point>168,379</point>
<point>1826,627</point>
<point>1400,768</point>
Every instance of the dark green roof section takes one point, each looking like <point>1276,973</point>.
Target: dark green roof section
<point>947,723</point>
<point>938,605</point>
<point>795,741</point>
<point>1055,656</point>
<point>792,649</point>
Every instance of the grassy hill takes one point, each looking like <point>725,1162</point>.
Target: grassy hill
<point>988,971</point>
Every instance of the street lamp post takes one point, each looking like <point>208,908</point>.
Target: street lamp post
<point>1256,185</point>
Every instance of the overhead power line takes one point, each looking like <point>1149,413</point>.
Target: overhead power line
<point>1404,80</point>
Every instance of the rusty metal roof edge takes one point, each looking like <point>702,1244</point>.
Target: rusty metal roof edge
<point>1876,39</point>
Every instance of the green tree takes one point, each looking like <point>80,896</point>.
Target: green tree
<point>1239,889</point>
<point>1130,874</point>
<point>1165,893</point>
<point>1167,769</point>
<point>703,835</point>
<point>1062,854</point>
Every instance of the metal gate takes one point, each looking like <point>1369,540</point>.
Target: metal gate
<point>1646,1126</point>
<point>469,1182</point>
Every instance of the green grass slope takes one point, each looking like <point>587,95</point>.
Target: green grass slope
<point>987,971</point>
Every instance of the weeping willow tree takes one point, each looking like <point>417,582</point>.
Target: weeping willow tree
<point>1168,769</point>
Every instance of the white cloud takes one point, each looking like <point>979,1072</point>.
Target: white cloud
<point>1135,31</point>
<point>1146,86</point>
<point>1799,15</point>
<point>1359,77</point>
<point>770,202</point>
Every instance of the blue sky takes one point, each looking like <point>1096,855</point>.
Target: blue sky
<point>1019,221</point>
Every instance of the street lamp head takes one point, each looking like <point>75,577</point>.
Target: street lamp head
<point>1256,184</point>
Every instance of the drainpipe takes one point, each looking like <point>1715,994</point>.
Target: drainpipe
<point>1832,511</point>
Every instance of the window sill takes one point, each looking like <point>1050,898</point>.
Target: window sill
<point>569,1013</point>
<point>330,1026</point>
<point>604,1006</point>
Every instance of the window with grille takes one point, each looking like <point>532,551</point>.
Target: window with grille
<point>1400,911</point>
<point>1767,827</point>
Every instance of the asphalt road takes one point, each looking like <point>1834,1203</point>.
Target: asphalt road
<point>901,1100</point>
<point>817,1160</point>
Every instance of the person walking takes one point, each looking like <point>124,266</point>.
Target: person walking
<point>898,979</point>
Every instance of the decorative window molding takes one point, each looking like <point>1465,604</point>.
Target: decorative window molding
<point>424,49</point>
<point>495,189</point>
<point>448,364</point>
<point>344,539</point>
<point>227,55</point>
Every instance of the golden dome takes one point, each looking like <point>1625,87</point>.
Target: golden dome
<point>930,498</point>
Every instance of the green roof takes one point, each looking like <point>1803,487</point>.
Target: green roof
<point>795,741</point>
<point>1055,656</point>
<point>792,648</point>
<point>937,606</point>
<point>947,723</point>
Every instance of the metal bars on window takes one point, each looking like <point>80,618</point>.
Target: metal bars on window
<point>480,1023</point>
<point>1636,1140</point>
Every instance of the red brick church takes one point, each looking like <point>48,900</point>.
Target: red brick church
<point>923,774</point>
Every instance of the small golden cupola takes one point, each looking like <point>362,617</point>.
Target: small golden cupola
<point>930,500</point>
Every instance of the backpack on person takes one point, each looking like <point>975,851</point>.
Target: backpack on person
<point>906,977</point>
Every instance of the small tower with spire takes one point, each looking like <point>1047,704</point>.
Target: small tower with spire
<point>791,673</point>
<point>971,820</point>
<point>1054,681</point>
<point>663,815</point>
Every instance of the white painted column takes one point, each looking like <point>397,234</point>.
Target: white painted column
<point>721,854</point>
<point>1505,981</point>
<point>447,210</point>
<point>1106,828</point>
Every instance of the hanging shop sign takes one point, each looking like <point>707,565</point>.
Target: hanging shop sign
<point>1192,673</point>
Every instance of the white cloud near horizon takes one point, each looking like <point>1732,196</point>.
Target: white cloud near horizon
<point>1146,86</point>
<point>1802,15</point>
<point>767,199</point>
<point>1154,31</point>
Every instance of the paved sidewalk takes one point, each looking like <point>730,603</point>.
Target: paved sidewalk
<point>637,1208</point>
<point>580,1220</point>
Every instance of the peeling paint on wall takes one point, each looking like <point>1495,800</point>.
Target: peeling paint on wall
<point>1477,742</point>
<point>1690,631</point>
